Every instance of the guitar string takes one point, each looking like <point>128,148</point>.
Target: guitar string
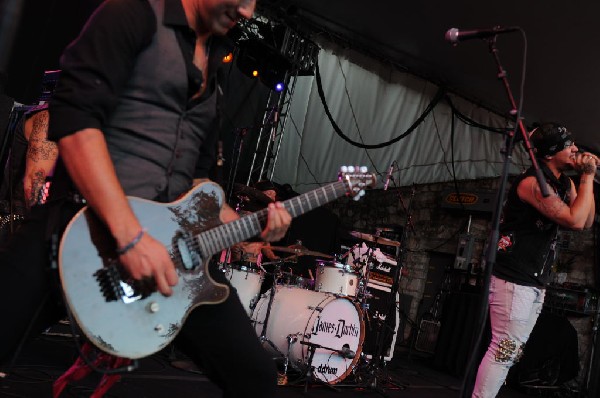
<point>260,216</point>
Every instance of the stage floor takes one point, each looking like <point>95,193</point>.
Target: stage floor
<point>48,356</point>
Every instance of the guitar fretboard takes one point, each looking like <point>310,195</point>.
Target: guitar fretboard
<point>226,235</point>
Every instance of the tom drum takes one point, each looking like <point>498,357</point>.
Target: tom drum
<point>246,279</point>
<point>336,278</point>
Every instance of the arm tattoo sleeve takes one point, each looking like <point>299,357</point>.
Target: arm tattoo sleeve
<point>39,147</point>
<point>37,191</point>
<point>552,205</point>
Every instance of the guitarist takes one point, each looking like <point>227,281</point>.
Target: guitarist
<point>135,113</point>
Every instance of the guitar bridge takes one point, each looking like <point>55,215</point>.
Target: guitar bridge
<point>115,285</point>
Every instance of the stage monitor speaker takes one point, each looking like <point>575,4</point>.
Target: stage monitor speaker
<point>428,335</point>
<point>377,321</point>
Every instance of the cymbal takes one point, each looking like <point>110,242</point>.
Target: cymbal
<point>379,240</point>
<point>252,194</point>
<point>299,250</point>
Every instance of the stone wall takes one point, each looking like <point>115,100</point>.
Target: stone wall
<point>436,230</point>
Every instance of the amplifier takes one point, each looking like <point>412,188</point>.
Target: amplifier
<point>572,298</point>
<point>378,321</point>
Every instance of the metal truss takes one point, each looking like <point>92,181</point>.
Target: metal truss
<point>302,56</point>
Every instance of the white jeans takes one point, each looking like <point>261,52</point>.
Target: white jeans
<point>514,310</point>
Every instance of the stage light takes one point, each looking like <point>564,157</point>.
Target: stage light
<point>258,60</point>
<point>228,58</point>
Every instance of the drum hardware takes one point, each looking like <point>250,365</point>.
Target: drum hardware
<point>373,373</point>
<point>310,370</point>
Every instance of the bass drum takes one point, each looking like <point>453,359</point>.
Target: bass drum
<point>333,323</point>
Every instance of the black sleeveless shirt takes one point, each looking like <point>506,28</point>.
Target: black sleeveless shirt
<point>526,247</point>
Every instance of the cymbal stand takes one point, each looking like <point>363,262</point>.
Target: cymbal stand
<point>363,293</point>
<point>377,368</point>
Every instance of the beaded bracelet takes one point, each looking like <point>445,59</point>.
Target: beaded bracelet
<point>130,245</point>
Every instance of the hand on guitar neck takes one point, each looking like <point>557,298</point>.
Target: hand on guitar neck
<point>149,258</point>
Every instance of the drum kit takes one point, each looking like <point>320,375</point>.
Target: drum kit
<point>316,325</point>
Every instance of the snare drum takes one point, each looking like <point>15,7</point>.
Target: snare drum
<point>299,315</point>
<point>336,278</point>
<point>246,279</point>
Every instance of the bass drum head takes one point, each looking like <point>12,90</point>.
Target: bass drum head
<point>333,323</point>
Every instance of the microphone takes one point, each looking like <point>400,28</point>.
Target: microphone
<point>455,35</point>
<point>388,177</point>
<point>346,352</point>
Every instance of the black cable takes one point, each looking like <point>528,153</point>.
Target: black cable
<point>354,117</point>
<point>436,99</point>
<point>437,133</point>
<point>123,369</point>
<point>467,120</point>
<point>302,155</point>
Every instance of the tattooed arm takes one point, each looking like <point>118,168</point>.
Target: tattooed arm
<point>41,156</point>
<point>575,215</point>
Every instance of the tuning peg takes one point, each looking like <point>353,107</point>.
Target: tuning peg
<point>359,195</point>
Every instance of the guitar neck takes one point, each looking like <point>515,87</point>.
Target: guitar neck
<point>226,235</point>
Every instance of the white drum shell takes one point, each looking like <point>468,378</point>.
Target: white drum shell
<point>247,282</point>
<point>336,279</point>
<point>300,315</point>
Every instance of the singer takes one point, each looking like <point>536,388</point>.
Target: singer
<point>528,234</point>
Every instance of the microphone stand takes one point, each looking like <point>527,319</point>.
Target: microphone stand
<point>490,255</point>
<point>310,370</point>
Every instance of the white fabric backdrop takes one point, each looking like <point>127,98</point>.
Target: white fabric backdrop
<point>375,105</point>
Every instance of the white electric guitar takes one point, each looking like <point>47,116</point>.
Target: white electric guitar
<point>130,319</point>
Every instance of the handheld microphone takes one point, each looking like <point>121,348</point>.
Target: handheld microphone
<point>388,177</point>
<point>455,35</point>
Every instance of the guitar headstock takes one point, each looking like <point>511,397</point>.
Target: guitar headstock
<point>356,179</point>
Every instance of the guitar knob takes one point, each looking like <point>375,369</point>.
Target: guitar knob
<point>153,307</point>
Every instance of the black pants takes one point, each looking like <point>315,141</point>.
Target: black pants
<point>219,338</point>
<point>28,286</point>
